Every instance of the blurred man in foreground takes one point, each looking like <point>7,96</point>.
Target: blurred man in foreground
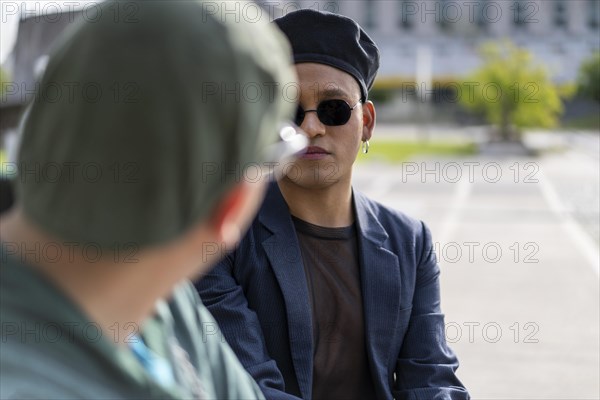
<point>116,208</point>
<point>330,294</point>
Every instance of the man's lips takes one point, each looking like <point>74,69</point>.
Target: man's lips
<point>314,153</point>
<point>315,150</point>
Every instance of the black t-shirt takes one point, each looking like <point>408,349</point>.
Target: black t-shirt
<point>340,363</point>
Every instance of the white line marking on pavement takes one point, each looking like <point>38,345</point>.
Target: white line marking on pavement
<point>580,238</point>
<point>462,192</point>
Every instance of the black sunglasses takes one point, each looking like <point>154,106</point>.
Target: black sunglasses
<point>330,112</point>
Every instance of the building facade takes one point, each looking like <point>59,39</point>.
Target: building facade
<point>559,33</point>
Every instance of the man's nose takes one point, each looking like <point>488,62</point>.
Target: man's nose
<point>312,125</point>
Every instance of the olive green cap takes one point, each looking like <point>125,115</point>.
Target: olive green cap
<point>160,108</point>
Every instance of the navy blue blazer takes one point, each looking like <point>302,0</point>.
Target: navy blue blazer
<point>258,295</point>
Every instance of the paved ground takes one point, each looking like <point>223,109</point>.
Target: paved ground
<point>517,239</point>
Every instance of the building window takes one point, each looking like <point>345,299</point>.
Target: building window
<point>481,18</point>
<point>446,15</point>
<point>332,6</point>
<point>407,14</point>
<point>560,14</point>
<point>593,14</point>
<point>520,13</point>
<point>369,13</point>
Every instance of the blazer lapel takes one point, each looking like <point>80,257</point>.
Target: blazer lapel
<point>380,277</point>
<point>283,251</point>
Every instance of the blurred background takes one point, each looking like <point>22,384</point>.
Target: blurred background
<point>488,129</point>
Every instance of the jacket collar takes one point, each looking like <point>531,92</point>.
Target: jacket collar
<point>369,226</point>
<point>275,216</point>
<point>283,251</point>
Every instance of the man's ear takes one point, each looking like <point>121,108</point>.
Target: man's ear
<point>235,211</point>
<point>368,120</point>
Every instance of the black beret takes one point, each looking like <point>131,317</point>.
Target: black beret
<point>331,39</point>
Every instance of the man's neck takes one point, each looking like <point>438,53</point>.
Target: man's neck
<point>118,296</point>
<point>329,207</point>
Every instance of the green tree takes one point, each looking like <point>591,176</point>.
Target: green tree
<point>511,91</point>
<point>588,81</point>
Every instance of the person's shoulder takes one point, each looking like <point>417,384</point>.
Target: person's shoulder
<point>405,236</point>
<point>61,370</point>
<point>186,303</point>
<point>218,368</point>
<point>390,218</point>
<point>197,335</point>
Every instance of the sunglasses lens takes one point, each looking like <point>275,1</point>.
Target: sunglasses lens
<point>330,113</point>
<point>334,112</point>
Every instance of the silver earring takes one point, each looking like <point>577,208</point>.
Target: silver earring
<point>365,147</point>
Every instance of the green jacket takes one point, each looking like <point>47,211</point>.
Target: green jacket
<point>51,350</point>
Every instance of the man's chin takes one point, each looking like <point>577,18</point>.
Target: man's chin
<point>316,181</point>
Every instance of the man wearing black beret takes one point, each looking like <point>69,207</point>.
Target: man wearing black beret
<point>330,294</point>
